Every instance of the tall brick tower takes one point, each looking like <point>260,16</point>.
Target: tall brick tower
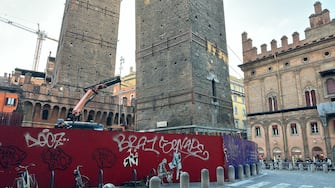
<point>182,67</point>
<point>87,46</point>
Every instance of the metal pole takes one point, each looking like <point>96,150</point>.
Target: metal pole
<point>119,95</point>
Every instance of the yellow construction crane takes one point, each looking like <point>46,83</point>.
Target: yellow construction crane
<point>41,35</point>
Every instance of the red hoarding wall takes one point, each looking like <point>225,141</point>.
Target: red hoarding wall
<point>116,153</point>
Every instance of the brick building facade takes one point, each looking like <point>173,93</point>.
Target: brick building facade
<point>182,67</point>
<point>290,92</point>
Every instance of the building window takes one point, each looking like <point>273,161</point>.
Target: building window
<point>305,59</point>
<point>235,110</point>
<point>214,91</point>
<point>314,128</point>
<point>287,64</point>
<point>10,101</point>
<point>235,98</point>
<point>330,86</point>
<point>273,105</point>
<point>245,125</point>
<point>258,131</point>
<point>243,100</point>
<point>244,112</point>
<point>275,131</point>
<point>294,130</point>
<point>236,123</point>
<point>45,114</point>
<point>310,98</point>
<point>124,101</point>
<point>326,54</point>
<point>132,100</point>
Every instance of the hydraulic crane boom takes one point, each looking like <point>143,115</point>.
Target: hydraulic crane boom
<point>91,92</point>
<point>41,35</point>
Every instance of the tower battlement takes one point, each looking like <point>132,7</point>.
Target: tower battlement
<point>321,28</point>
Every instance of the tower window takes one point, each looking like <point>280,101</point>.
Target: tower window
<point>310,98</point>
<point>330,86</point>
<point>258,131</point>
<point>314,128</point>
<point>275,131</point>
<point>214,91</point>
<point>294,130</point>
<point>273,105</point>
<point>45,114</point>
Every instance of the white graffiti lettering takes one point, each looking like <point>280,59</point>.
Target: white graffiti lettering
<point>46,138</point>
<point>131,159</point>
<point>190,147</point>
<point>132,142</point>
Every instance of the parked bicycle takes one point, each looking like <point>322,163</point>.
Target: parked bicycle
<point>81,181</point>
<point>25,179</point>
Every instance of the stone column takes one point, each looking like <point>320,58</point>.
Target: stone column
<point>267,142</point>
<point>304,138</point>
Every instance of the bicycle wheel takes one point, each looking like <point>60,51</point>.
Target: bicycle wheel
<point>86,181</point>
<point>83,182</point>
<point>33,181</point>
<point>19,183</point>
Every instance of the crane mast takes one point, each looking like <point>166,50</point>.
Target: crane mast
<point>41,35</point>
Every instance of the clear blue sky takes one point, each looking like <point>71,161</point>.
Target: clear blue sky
<point>263,20</point>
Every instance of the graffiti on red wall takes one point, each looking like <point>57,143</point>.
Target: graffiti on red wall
<point>190,147</point>
<point>46,139</point>
<point>118,154</point>
<point>11,156</point>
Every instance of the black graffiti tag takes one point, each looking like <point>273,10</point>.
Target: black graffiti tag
<point>11,156</point>
<point>56,159</point>
<point>104,158</point>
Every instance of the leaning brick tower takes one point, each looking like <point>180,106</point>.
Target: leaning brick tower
<point>87,46</point>
<point>182,67</point>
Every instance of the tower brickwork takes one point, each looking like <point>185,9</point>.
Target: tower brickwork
<point>87,47</point>
<point>182,66</point>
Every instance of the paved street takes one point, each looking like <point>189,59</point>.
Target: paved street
<point>277,179</point>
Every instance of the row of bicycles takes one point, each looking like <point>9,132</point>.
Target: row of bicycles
<point>26,179</point>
